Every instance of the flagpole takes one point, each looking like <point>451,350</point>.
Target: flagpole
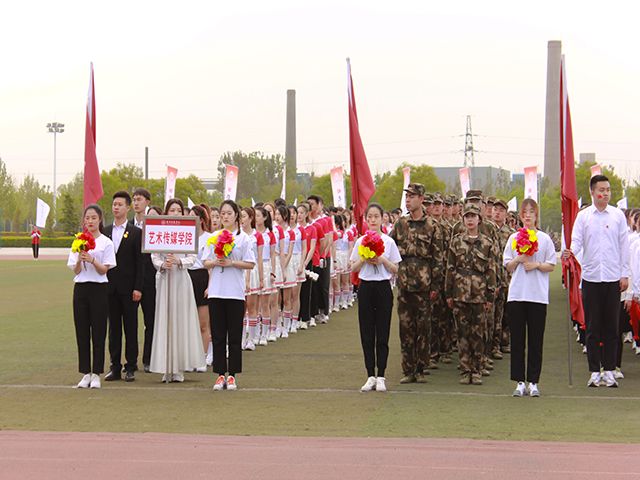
<point>569,345</point>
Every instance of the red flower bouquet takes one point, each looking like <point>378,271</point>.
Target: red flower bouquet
<point>223,244</point>
<point>84,242</point>
<point>525,242</point>
<point>372,246</point>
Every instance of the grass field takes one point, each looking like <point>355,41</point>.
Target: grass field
<point>304,386</point>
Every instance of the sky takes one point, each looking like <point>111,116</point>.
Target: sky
<point>194,79</point>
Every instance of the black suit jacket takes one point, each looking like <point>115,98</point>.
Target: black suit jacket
<point>127,275</point>
<point>148,270</point>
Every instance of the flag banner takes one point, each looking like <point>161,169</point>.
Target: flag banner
<point>580,203</point>
<point>512,205</point>
<point>190,203</point>
<point>170,184</point>
<point>283,192</point>
<point>406,180</point>
<point>465,180</point>
<point>230,182</point>
<point>596,170</point>
<point>295,202</point>
<point>253,202</point>
<point>337,187</point>
<point>92,182</point>
<point>362,186</point>
<point>531,182</point>
<point>42,212</point>
<point>622,203</point>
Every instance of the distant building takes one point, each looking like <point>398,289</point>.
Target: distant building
<point>587,157</point>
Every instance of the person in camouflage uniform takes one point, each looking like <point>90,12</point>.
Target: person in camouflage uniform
<point>501,322</point>
<point>470,289</point>
<point>421,267</point>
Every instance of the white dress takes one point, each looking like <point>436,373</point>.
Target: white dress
<point>175,306</point>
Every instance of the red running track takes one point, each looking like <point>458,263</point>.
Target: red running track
<point>95,456</point>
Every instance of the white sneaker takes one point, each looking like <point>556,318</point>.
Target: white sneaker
<point>85,382</point>
<point>637,350</point>
<point>263,341</point>
<point>521,390</point>
<point>584,349</point>
<point>369,385</point>
<point>628,338</point>
<point>272,337</point>
<point>324,319</point>
<point>617,374</point>
<point>278,332</point>
<point>344,306</point>
<point>95,381</point>
<point>380,385</point>
<point>533,390</point>
<point>312,322</point>
<point>294,327</point>
<point>284,334</point>
<point>209,359</point>
<point>609,379</point>
<point>594,380</point>
<point>304,325</point>
<point>179,377</point>
<point>250,346</point>
<point>220,383</point>
<point>336,308</point>
<point>231,383</point>
<point>201,369</point>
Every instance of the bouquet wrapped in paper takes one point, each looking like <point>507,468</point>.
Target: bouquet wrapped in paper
<point>525,242</point>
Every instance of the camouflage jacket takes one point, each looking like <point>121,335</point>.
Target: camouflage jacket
<point>421,248</point>
<point>490,230</point>
<point>504,233</point>
<point>471,269</point>
<point>444,238</point>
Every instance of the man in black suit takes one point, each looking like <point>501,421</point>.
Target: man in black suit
<point>125,289</point>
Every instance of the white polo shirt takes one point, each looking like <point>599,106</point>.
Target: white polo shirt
<point>103,253</point>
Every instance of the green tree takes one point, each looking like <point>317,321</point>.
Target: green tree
<point>28,193</point>
<point>389,192</point>
<point>7,196</point>
<point>583,176</point>
<point>69,214</point>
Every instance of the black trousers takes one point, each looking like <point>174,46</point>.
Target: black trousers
<point>601,301</point>
<point>320,289</point>
<point>623,327</point>
<point>375,304</point>
<point>225,317</point>
<point>123,314</point>
<point>305,297</point>
<point>527,321</point>
<point>148,303</point>
<point>36,249</point>
<point>90,309</point>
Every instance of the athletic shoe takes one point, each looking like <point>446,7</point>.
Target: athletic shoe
<point>201,369</point>
<point>209,359</point>
<point>408,379</point>
<point>485,373</point>
<point>421,378</point>
<point>465,379</point>
<point>584,349</point>
<point>380,385</point>
<point>594,380</point>
<point>178,377</point>
<point>521,390</point>
<point>284,334</point>
<point>220,383</point>
<point>263,342</point>
<point>85,382</point>
<point>497,354</point>
<point>95,381</point>
<point>617,374</point>
<point>476,379</point>
<point>231,383</point>
<point>250,346</point>
<point>637,349</point>
<point>294,327</point>
<point>336,308</point>
<point>628,338</point>
<point>344,306</point>
<point>272,337</point>
<point>609,380</point>
<point>304,325</point>
<point>369,385</point>
<point>312,322</point>
<point>278,332</point>
<point>533,390</point>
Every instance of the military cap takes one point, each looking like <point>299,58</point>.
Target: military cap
<point>437,198</point>
<point>491,200</point>
<point>415,189</point>
<point>449,199</point>
<point>428,199</point>
<point>474,195</point>
<point>470,208</point>
<point>500,203</point>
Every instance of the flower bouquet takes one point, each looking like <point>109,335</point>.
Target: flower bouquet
<point>84,242</point>
<point>372,246</point>
<point>223,243</point>
<point>525,242</point>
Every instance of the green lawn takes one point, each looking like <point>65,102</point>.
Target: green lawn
<point>307,385</point>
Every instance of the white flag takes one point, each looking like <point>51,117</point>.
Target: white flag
<point>295,202</point>
<point>531,182</point>
<point>190,203</point>
<point>622,203</point>
<point>42,212</point>
<point>283,192</point>
<point>465,180</point>
<point>337,187</point>
<point>230,182</point>
<point>512,205</point>
<point>580,202</point>
<point>170,184</point>
<point>406,180</point>
<point>253,202</point>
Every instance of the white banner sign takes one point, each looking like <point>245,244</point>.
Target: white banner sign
<point>406,180</point>
<point>465,180</point>
<point>531,182</point>
<point>42,212</point>
<point>168,234</point>
<point>596,170</point>
<point>170,184</point>
<point>512,205</point>
<point>622,203</point>
<point>230,182</point>
<point>283,192</point>
<point>337,187</point>
<point>190,203</point>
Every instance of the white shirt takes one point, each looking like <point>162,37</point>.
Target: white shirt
<point>103,253</point>
<point>368,272</point>
<point>634,286</point>
<point>117,233</point>
<point>531,286</point>
<point>202,244</point>
<point>229,282</point>
<point>604,237</point>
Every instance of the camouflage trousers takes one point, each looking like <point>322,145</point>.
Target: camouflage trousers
<point>470,319</point>
<point>501,302</point>
<point>489,329</point>
<point>441,329</point>
<point>414,315</point>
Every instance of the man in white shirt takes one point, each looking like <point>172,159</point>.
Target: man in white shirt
<point>600,231</point>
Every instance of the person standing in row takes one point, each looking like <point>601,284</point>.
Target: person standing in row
<point>227,297</point>
<point>421,268</point>
<point>375,301</point>
<point>600,231</point>
<point>527,301</point>
<point>90,298</point>
<point>501,331</point>
<point>125,289</point>
<point>35,241</point>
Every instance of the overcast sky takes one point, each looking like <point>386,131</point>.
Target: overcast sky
<point>192,80</point>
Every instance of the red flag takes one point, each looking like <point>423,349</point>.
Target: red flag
<point>92,182</point>
<point>569,193</point>
<point>362,186</point>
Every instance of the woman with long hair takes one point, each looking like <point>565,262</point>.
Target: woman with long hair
<point>177,342</point>
<point>90,297</point>
<point>306,265</point>
<point>265,305</point>
<point>299,245</point>
<point>227,296</point>
<point>527,301</point>
<point>253,279</point>
<point>286,267</point>
<point>276,312</point>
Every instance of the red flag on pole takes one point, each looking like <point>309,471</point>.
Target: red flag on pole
<point>92,182</point>
<point>362,186</point>
<point>569,193</point>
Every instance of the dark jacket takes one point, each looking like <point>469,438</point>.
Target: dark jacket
<point>128,275</point>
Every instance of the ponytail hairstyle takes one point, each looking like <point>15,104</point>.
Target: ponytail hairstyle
<point>251,213</point>
<point>267,217</point>
<point>284,213</point>
<point>205,218</point>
